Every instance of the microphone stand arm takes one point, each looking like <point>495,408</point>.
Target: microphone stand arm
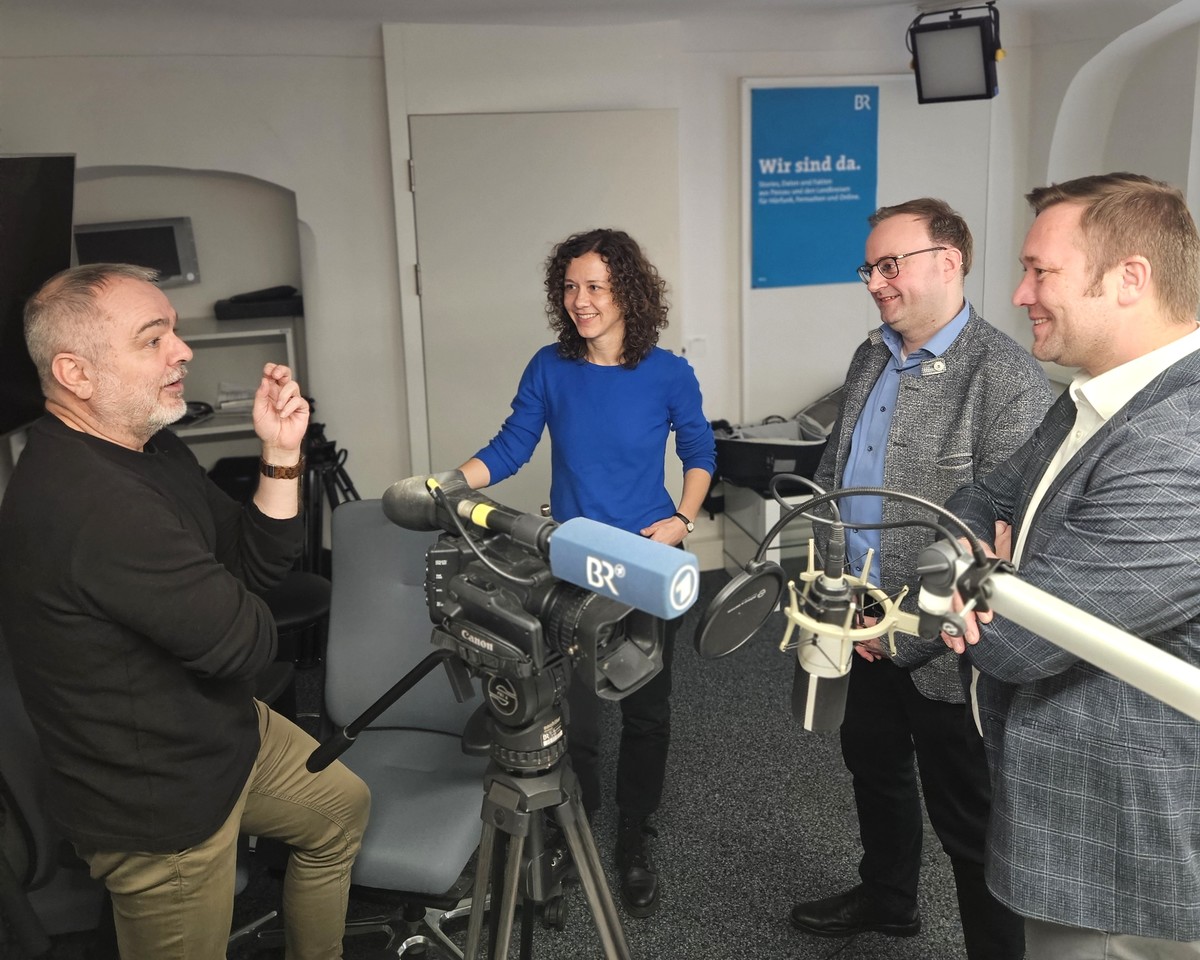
<point>1154,671</point>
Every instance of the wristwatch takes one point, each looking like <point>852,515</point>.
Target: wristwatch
<point>686,522</point>
<point>275,472</point>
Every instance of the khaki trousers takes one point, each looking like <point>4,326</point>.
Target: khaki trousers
<point>1052,941</point>
<point>179,906</point>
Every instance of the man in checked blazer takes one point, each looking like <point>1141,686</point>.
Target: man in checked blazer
<point>934,398</point>
<point>1095,830</point>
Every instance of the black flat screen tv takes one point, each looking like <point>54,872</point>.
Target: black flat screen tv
<point>37,196</point>
<point>165,245</point>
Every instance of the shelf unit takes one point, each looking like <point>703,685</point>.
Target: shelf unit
<point>234,351</point>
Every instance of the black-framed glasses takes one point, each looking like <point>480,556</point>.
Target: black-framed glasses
<point>889,267</point>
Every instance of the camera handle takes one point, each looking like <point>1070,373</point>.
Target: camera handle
<point>342,740</point>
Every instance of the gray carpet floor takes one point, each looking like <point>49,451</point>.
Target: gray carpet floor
<point>757,815</point>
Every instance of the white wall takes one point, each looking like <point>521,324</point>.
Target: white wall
<point>693,65</point>
<point>296,104</point>
<point>245,230</point>
<point>302,105</point>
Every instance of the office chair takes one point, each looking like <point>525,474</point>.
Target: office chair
<point>426,795</point>
<point>45,889</point>
<point>300,602</point>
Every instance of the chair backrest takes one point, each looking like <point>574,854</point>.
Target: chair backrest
<point>379,626</point>
<point>23,784</point>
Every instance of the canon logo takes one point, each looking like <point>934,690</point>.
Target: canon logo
<point>475,640</point>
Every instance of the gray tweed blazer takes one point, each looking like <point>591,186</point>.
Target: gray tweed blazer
<point>952,425</point>
<point>1096,785</point>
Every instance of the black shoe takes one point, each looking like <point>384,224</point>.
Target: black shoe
<point>639,879</point>
<point>846,914</point>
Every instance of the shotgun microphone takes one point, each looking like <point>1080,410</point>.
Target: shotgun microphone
<point>631,569</point>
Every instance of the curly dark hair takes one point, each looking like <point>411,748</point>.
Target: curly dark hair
<point>637,288</point>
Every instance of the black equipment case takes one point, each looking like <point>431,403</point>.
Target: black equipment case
<point>749,455</point>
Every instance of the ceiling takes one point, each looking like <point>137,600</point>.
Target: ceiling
<point>556,11</point>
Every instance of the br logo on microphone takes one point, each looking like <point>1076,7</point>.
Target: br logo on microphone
<point>601,574</point>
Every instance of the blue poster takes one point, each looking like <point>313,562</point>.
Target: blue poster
<point>813,166</point>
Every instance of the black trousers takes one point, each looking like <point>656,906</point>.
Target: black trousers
<point>645,739</point>
<point>888,725</point>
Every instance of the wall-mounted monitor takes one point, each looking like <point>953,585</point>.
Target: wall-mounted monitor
<point>165,245</point>
<point>37,195</point>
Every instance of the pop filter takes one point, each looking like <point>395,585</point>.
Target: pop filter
<point>742,606</point>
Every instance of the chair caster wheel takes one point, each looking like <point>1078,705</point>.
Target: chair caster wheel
<point>554,914</point>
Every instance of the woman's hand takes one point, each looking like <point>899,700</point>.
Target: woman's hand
<point>670,531</point>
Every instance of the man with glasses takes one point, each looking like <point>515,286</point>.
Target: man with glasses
<point>934,398</point>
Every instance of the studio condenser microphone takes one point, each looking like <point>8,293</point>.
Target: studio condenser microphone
<point>822,674</point>
<point>633,570</point>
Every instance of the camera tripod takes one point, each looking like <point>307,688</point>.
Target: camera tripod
<point>325,481</point>
<point>529,778</point>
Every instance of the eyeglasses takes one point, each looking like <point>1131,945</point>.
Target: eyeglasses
<point>889,267</point>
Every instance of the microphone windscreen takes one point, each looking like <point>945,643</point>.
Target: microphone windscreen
<point>742,606</point>
<point>634,570</point>
<point>407,504</point>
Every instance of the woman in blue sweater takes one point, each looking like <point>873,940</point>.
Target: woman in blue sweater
<point>610,397</point>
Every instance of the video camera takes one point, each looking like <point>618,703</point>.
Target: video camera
<point>523,621</point>
<point>597,607</point>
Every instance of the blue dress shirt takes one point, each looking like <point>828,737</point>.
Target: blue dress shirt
<point>868,443</point>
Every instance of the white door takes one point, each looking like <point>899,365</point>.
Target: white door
<point>493,194</point>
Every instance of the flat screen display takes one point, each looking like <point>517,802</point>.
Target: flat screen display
<point>165,245</point>
<point>37,197</point>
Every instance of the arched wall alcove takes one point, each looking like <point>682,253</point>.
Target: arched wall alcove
<point>246,229</point>
<point>1095,132</point>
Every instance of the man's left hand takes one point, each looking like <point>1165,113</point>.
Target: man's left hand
<point>280,414</point>
<point>871,650</point>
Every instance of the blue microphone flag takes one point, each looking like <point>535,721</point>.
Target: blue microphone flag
<point>631,569</point>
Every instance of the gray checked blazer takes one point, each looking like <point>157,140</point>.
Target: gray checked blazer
<point>964,416</point>
<point>1096,785</point>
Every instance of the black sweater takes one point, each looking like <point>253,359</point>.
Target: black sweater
<point>126,601</point>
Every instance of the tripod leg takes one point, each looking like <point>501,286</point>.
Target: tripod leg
<point>508,904</point>
<point>582,845</point>
<point>483,869</point>
<point>526,950</point>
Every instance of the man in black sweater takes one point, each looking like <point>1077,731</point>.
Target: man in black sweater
<point>129,600</point>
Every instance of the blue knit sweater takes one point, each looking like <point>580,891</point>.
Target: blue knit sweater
<point>608,434</point>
